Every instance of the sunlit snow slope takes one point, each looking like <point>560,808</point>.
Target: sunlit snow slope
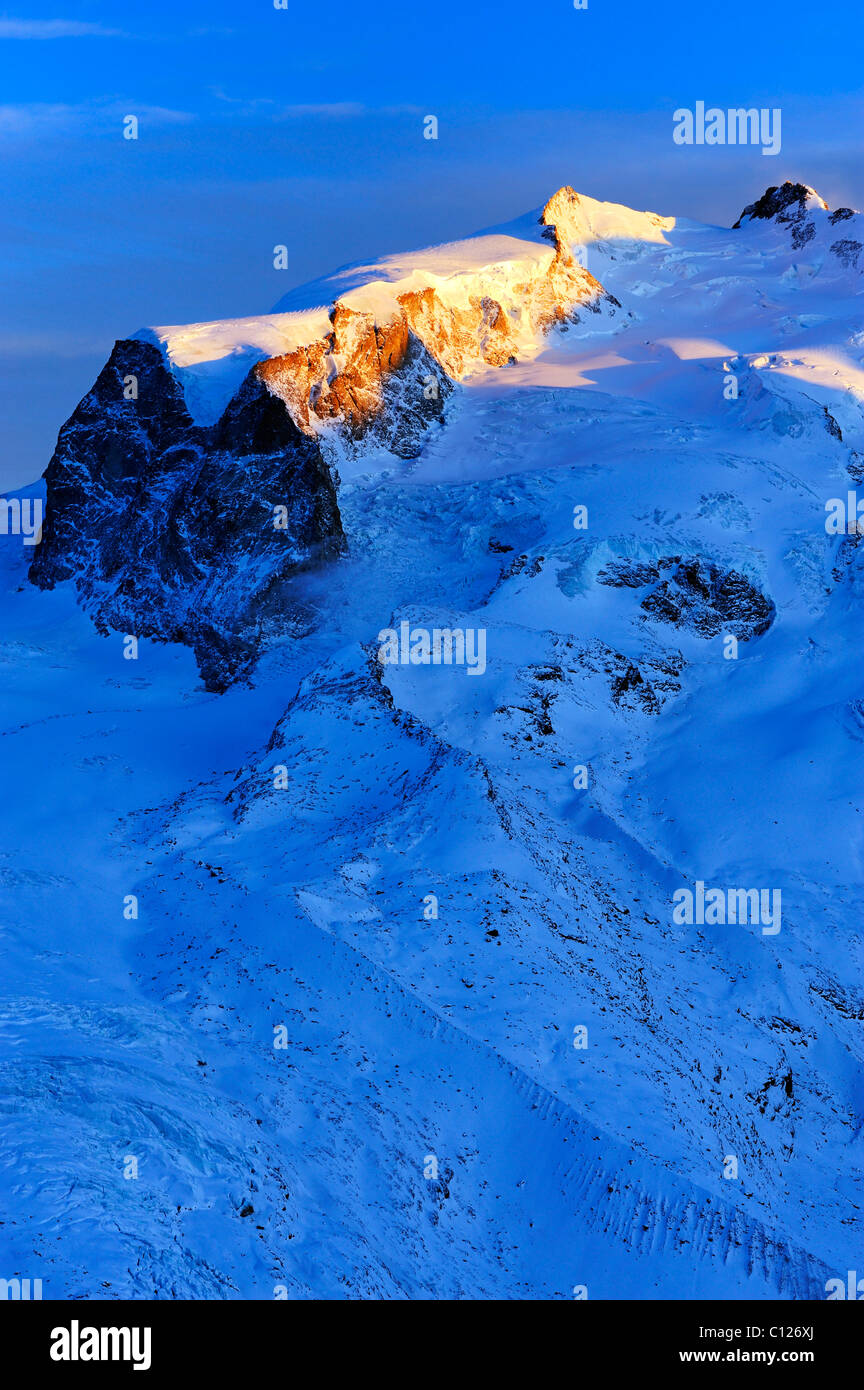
<point>331,1091</point>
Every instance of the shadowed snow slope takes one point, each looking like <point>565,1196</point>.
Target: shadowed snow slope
<point>365,979</point>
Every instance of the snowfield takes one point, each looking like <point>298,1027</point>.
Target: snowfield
<point>404,1012</point>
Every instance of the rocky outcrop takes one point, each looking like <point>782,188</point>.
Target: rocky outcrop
<point>378,386</point>
<point>382,381</point>
<point>848,252</point>
<point>798,209</point>
<point>696,594</point>
<point>790,206</point>
<point>788,203</point>
<point>699,595</point>
<point>182,532</point>
<point>190,531</point>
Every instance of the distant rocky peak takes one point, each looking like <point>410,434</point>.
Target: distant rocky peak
<point>790,202</point>
<point>797,210</point>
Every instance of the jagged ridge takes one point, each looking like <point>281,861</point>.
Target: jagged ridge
<point>171,529</point>
<point>169,526</point>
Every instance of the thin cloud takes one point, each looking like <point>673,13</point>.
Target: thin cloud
<point>335,108</point>
<point>267,106</point>
<point>54,29</point>
<point>46,118</point>
<point>54,342</point>
<point>22,120</point>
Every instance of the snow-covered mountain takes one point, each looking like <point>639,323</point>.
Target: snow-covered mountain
<point>378,968</point>
<point>190,485</point>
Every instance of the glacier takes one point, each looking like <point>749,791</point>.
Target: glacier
<point>325,977</point>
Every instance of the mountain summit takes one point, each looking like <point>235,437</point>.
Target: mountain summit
<point>788,203</point>
<point>200,475</point>
<point>799,211</point>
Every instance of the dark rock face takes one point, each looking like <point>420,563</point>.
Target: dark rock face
<point>847,252</point>
<point>180,532</point>
<point>788,207</point>
<point>788,203</point>
<point>695,594</point>
<point>627,574</point>
<point>802,232</point>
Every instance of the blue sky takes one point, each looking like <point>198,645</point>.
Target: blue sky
<point>305,127</point>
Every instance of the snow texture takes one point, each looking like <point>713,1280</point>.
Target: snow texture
<point>429,1128</point>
